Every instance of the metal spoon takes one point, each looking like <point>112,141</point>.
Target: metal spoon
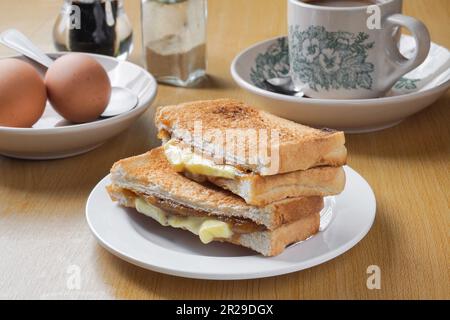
<point>283,85</point>
<point>122,99</point>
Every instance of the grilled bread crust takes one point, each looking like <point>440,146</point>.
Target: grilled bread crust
<point>299,147</point>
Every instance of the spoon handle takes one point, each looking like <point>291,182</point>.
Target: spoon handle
<point>16,40</point>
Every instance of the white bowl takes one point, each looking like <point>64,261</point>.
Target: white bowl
<point>52,137</point>
<point>359,115</point>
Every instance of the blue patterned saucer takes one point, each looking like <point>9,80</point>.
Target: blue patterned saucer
<point>412,93</point>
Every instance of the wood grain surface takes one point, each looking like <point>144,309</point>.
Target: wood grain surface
<point>43,232</point>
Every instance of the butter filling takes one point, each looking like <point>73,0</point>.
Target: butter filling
<point>184,160</point>
<point>206,228</point>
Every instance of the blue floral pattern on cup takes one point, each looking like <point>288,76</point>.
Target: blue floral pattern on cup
<point>274,62</point>
<point>331,60</point>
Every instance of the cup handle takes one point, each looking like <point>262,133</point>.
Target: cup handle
<point>398,64</point>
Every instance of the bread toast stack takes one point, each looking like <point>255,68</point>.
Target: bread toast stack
<point>262,188</point>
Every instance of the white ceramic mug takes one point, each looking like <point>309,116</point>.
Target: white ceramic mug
<point>335,55</point>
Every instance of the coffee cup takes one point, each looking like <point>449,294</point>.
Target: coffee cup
<point>341,49</point>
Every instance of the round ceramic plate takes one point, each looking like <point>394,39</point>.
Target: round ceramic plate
<point>412,93</point>
<point>345,220</point>
<point>53,137</point>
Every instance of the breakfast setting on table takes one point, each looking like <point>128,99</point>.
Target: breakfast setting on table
<point>295,148</point>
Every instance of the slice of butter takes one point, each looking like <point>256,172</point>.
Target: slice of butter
<point>157,214</point>
<point>175,156</point>
<point>191,224</point>
<point>213,229</point>
<point>183,159</point>
<point>206,228</point>
<point>199,165</point>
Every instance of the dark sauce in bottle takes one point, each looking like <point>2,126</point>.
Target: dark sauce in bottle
<point>95,34</point>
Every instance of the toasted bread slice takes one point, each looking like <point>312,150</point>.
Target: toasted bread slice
<point>127,198</point>
<point>273,243</point>
<point>266,242</point>
<point>286,146</point>
<point>151,174</point>
<point>261,190</point>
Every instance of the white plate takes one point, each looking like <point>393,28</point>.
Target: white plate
<point>52,137</point>
<point>143,242</point>
<point>417,90</point>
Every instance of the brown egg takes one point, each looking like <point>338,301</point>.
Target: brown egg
<point>78,87</point>
<point>22,94</point>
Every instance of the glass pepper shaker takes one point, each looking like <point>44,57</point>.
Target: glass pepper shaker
<point>95,26</point>
<point>174,40</point>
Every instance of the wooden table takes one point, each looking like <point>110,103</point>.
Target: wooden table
<point>44,238</point>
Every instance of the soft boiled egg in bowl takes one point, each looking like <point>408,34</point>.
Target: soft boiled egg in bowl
<point>53,137</point>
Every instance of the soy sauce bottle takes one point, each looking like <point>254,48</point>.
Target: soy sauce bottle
<point>97,32</point>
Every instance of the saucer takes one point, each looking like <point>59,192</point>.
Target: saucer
<point>52,137</point>
<point>140,240</point>
<point>412,93</point>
